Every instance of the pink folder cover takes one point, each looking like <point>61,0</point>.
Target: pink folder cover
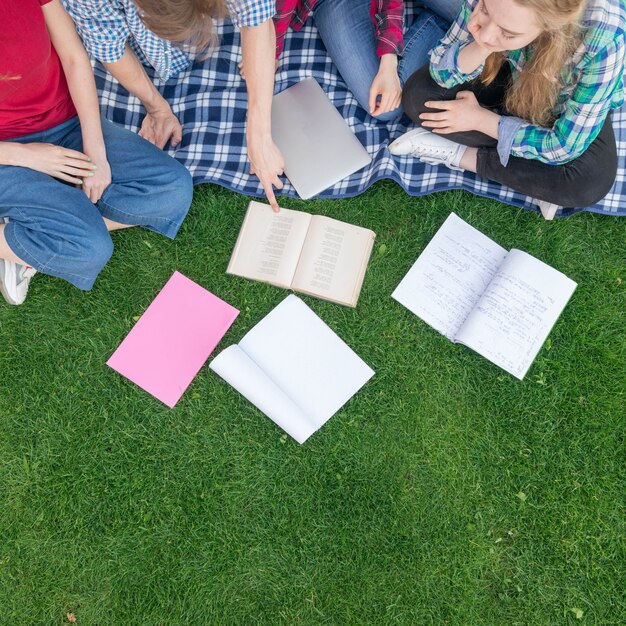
<point>173,338</point>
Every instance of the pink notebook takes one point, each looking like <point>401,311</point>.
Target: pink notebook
<point>173,338</point>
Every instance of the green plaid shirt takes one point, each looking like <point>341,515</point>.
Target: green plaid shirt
<point>592,84</point>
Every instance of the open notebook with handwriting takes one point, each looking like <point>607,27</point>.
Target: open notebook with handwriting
<point>500,304</point>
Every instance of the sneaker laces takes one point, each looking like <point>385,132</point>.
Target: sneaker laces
<point>434,151</point>
<point>434,155</point>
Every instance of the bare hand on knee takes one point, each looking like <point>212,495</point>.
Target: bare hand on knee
<point>67,165</point>
<point>160,126</point>
<point>386,90</point>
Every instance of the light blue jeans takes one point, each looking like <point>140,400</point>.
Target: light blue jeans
<point>55,228</point>
<point>348,34</point>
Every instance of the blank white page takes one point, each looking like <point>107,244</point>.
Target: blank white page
<point>450,275</point>
<point>240,371</point>
<point>306,359</point>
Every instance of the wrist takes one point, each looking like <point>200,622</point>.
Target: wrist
<point>489,123</point>
<point>13,153</point>
<point>96,150</point>
<point>389,61</point>
<point>259,127</point>
<point>156,103</point>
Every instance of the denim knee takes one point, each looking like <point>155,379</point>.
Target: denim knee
<point>101,250</point>
<point>86,256</point>
<point>81,258</point>
<point>178,191</point>
<point>175,197</point>
<point>159,200</point>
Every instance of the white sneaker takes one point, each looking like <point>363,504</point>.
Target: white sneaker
<point>14,280</point>
<point>548,209</point>
<point>428,147</point>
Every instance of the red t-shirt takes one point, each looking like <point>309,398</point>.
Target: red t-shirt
<point>33,91</point>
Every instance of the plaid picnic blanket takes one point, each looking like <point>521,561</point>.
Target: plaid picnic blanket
<point>210,100</point>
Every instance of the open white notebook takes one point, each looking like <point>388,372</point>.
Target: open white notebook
<point>311,254</point>
<point>500,304</point>
<point>293,368</point>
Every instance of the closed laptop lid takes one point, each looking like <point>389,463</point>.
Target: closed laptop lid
<point>317,144</point>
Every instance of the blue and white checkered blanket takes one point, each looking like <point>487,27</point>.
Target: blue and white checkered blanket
<point>210,100</point>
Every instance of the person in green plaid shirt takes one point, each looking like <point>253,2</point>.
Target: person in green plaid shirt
<point>522,90</point>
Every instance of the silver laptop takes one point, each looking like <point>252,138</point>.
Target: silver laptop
<point>316,142</point>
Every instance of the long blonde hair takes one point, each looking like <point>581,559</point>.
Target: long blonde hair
<point>188,22</point>
<point>534,94</point>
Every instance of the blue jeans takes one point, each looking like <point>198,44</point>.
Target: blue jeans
<point>348,34</point>
<point>447,9</point>
<point>55,228</point>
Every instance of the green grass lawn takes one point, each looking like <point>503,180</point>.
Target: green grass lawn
<point>445,491</point>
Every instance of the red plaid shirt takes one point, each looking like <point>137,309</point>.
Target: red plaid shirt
<point>386,16</point>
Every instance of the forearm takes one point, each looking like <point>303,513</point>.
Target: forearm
<point>258,46</point>
<point>446,70</point>
<point>79,75</point>
<point>387,18</point>
<point>130,73</point>
<point>9,152</point>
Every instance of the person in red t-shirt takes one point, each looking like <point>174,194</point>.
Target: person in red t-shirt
<point>67,177</point>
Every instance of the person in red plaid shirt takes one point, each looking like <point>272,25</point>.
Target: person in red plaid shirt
<point>366,42</point>
<point>355,45</point>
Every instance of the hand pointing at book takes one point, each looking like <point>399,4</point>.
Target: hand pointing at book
<point>266,162</point>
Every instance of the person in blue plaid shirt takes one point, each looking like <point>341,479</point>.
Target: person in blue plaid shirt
<point>522,91</point>
<point>126,34</point>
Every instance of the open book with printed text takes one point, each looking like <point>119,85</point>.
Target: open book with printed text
<point>500,304</point>
<point>311,254</point>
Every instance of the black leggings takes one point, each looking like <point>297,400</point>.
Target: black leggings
<point>582,182</point>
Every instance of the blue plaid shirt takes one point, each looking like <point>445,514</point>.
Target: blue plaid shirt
<point>106,25</point>
<point>592,84</point>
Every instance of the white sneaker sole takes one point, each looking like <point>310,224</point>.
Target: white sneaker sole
<point>548,209</point>
<point>9,277</point>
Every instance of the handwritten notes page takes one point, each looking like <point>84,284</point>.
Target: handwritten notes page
<point>294,368</point>
<point>516,312</point>
<point>502,305</point>
<point>333,260</point>
<point>317,255</point>
<point>269,244</point>
<point>450,275</point>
